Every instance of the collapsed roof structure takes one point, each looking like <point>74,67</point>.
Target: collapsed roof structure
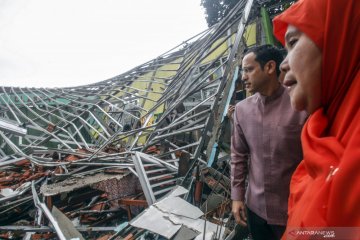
<point>82,162</point>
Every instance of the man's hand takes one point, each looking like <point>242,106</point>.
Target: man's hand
<point>239,212</point>
<point>230,112</point>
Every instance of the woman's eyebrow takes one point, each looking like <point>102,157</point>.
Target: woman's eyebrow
<point>290,33</point>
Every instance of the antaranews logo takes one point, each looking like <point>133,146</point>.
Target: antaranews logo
<point>314,234</point>
<point>343,233</point>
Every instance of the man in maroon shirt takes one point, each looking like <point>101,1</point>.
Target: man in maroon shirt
<point>265,146</point>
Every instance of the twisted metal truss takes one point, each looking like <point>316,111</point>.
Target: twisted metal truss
<point>142,121</point>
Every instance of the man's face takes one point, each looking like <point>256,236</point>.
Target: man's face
<point>302,67</point>
<point>253,76</point>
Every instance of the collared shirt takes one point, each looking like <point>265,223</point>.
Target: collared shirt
<point>266,148</point>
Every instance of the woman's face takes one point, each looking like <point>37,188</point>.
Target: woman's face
<point>302,68</point>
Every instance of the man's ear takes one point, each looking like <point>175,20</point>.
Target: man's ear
<point>270,67</point>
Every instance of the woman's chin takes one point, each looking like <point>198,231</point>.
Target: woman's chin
<point>296,105</point>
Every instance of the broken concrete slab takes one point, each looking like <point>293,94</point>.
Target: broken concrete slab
<point>73,183</point>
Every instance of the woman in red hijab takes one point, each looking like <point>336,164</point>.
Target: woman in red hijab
<point>322,74</point>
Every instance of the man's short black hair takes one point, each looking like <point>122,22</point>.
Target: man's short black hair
<point>266,53</point>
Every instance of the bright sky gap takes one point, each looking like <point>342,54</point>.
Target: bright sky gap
<point>64,43</point>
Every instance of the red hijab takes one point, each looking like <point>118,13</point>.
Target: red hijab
<point>325,188</point>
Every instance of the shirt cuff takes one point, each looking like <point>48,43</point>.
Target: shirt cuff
<point>238,194</point>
